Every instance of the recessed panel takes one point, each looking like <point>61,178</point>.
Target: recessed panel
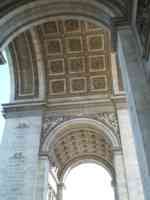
<point>76,65</point>
<point>50,27</point>
<point>96,42</point>
<point>74,44</point>
<point>97,63</point>
<point>57,86</point>
<point>54,47</point>
<point>56,67</point>
<point>72,25</point>
<point>78,85</point>
<point>98,83</point>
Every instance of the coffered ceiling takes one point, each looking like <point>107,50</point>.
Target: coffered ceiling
<point>73,55</point>
<point>77,57</point>
<point>78,145</point>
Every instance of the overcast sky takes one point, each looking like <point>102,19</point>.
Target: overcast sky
<point>4,91</point>
<point>88,182</point>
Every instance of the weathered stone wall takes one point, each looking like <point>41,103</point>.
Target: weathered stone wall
<point>19,157</point>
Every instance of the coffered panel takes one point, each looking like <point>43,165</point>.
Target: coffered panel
<point>81,143</point>
<point>77,57</point>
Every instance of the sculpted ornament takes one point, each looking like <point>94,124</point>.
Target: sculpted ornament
<point>50,122</point>
<point>110,119</point>
<point>22,125</point>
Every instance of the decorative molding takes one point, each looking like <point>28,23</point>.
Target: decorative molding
<point>26,108</point>
<point>117,23</point>
<point>52,121</point>
<point>110,119</point>
<point>2,59</point>
<point>143,26</point>
<point>22,125</point>
<point>23,57</point>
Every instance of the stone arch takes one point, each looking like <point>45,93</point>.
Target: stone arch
<point>38,75</point>
<point>24,17</point>
<point>62,160</point>
<point>80,123</point>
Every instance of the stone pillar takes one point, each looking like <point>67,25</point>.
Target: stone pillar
<point>115,74</point>
<point>42,178</point>
<point>60,188</point>
<point>138,92</point>
<point>19,153</point>
<point>133,177</point>
<point>121,190</point>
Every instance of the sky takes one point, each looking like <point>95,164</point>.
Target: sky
<point>88,182</point>
<point>4,92</point>
<point>85,182</point>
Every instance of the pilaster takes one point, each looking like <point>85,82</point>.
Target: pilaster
<point>42,178</point>
<point>121,189</point>
<point>138,93</point>
<point>132,173</point>
<point>19,152</point>
<point>60,188</point>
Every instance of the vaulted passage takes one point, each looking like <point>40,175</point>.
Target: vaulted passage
<point>68,105</point>
<point>76,56</point>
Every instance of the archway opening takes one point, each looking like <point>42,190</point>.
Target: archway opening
<point>88,181</point>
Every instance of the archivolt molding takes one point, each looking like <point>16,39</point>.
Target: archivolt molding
<point>51,121</point>
<point>54,125</point>
<point>25,66</point>
<point>34,13</point>
<point>70,140</point>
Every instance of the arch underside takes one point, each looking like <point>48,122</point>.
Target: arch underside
<point>79,140</point>
<point>66,62</point>
<point>61,60</point>
<point>79,146</point>
<point>19,15</point>
<point>13,4</point>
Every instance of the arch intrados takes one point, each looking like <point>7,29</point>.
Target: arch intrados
<point>75,163</point>
<point>78,129</point>
<point>92,124</point>
<point>36,13</point>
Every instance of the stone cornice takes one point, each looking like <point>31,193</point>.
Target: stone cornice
<point>19,109</point>
<point>120,22</point>
<point>92,104</point>
<point>117,23</point>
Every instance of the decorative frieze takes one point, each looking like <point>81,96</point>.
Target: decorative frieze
<point>52,121</point>
<point>110,119</point>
